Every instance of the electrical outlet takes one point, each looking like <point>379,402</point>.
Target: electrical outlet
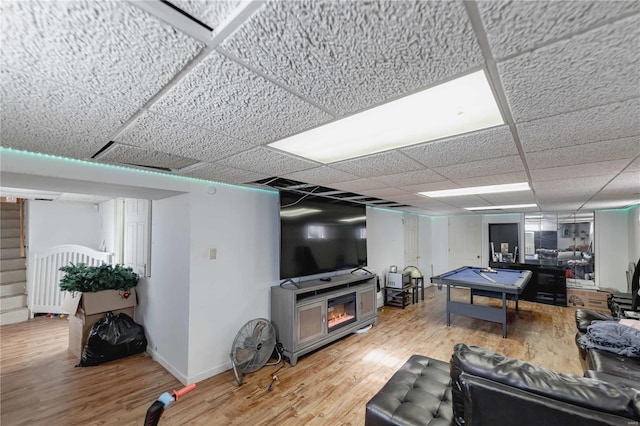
<point>213,253</point>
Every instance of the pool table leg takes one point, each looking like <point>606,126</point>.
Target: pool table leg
<point>516,303</point>
<point>471,296</point>
<point>504,315</point>
<point>448,300</point>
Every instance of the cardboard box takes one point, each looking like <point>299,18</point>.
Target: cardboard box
<point>85,309</point>
<point>587,299</point>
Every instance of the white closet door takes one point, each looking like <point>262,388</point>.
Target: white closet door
<point>411,253</point>
<point>137,235</point>
<point>465,241</point>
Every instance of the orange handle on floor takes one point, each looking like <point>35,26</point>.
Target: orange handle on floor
<point>185,390</point>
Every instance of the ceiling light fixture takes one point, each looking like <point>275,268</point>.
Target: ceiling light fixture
<point>452,108</point>
<point>476,190</point>
<point>512,206</point>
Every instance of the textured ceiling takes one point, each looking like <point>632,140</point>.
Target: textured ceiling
<point>201,93</point>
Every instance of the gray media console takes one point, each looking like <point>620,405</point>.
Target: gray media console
<point>315,313</point>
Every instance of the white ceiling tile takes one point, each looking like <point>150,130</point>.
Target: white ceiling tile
<point>559,205</point>
<point>609,168</point>
<point>102,47</point>
<point>463,201</point>
<point>625,148</point>
<point>415,177</point>
<point>222,173</point>
<point>482,145</point>
<point>347,56</point>
<point>323,175</point>
<point>625,183</point>
<point>594,68</point>
<point>612,121</point>
<point>520,197</point>
<point>384,163</point>
<point>487,167</point>
<point>517,26</point>
<point>226,97</point>
<point>212,13</point>
<point>433,186</point>
<point>130,155</point>
<point>383,193</point>
<point>494,179</point>
<point>598,203</point>
<point>158,133</point>
<point>357,185</point>
<point>267,161</point>
<point>571,187</point>
<point>634,166</point>
<point>39,102</point>
<point>46,140</point>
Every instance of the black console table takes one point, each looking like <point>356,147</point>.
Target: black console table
<point>548,284</point>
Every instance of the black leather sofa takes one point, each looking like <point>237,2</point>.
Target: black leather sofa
<point>481,387</point>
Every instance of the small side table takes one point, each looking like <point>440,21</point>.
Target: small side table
<point>418,283</point>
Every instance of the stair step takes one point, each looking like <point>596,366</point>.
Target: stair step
<point>7,277</point>
<point>9,206</point>
<point>9,232</point>
<point>9,253</point>
<point>13,316</point>
<point>9,303</point>
<point>12,264</point>
<point>11,223</point>
<point>10,214</point>
<point>10,242</point>
<point>13,289</point>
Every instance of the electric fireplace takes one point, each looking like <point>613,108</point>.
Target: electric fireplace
<point>341,311</point>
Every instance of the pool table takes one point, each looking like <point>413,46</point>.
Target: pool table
<point>505,284</point>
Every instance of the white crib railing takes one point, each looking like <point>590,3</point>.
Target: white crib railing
<point>43,277</point>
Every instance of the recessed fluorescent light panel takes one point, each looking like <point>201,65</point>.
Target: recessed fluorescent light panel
<point>477,190</point>
<point>301,211</point>
<point>512,206</point>
<point>452,108</point>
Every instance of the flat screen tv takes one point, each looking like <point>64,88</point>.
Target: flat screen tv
<point>320,235</point>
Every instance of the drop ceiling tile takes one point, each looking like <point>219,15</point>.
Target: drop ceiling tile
<point>384,163</point>
<point>267,161</point>
<point>433,186</point>
<point>598,203</point>
<point>223,96</point>
<point>570,188</point>
<point>594,68</point>
<point>611,121</point>
<point>559,205</point>
<point>158,133</point>
<point>46,104</point>
<point>625,183</point>
<point>464,201</point>
<point>514,27</point>
<point>494,179</point>
<point>357,185</point>
<point>323,175</point>
<point>45,140</point>
<point>482,145</point>
<point>348,56</point>
<point>487,167</point>
<point>634,166</point>
<point>226,174</point>
<point>212,13</point>
<point>130,155</point>
<point>609,168</point>
<point>383,193</point>
<point>102,47</point>
<point>618,149</point>
<point>415,177</point>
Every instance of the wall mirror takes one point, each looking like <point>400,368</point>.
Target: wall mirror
<point>562,239</point>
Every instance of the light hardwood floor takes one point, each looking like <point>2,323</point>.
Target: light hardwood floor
<point>40,386</point>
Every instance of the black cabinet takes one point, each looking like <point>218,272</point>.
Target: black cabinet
<point>548,283</point>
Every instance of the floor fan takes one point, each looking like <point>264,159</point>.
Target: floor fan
<point>252,347</point>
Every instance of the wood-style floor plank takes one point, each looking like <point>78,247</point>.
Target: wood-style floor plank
<point>40,385</point>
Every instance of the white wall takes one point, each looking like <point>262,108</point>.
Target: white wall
<point>634,234</point>
<point>107,213</point>
<point>425,248</point>
<point>163,297</point>
<point>243,226</point>
<point>51,223</point>
<point>611,249</point>
<point>439,245</point>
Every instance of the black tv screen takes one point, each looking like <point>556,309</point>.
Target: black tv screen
<point>320,235</point>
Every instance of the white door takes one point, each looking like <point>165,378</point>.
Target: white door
<point>137,236</point>
<point>465,241</point>
<point>411,255</point>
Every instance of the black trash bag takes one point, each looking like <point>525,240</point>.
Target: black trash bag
<point>113,337</point>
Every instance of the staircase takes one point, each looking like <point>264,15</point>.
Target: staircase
<point>13,273</point>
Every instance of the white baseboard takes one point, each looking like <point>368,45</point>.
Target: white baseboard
<point>209,373</point>
<point>167,365</point>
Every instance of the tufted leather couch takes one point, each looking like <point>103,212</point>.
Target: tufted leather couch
<point>481,387</point>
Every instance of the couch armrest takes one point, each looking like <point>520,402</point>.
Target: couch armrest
<point>527,385</point>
